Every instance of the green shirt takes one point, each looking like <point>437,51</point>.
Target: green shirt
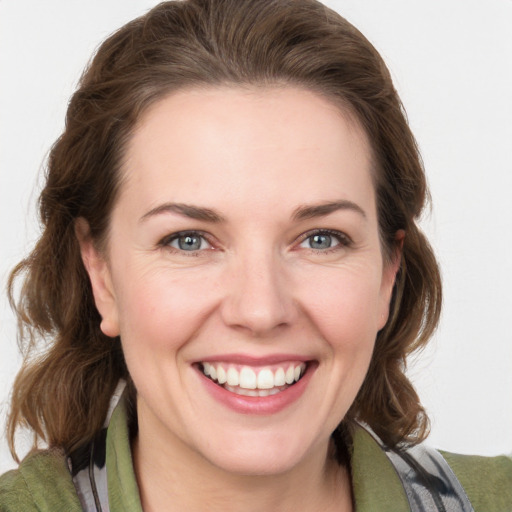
<point>43,482</point>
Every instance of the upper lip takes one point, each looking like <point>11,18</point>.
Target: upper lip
<point>249,360</point>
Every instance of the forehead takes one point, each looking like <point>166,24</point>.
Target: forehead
<point>240,142</point>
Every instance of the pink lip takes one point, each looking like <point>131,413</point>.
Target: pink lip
<point>261,405</point>
<point>244,359</point>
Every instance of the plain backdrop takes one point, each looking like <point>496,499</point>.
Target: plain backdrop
<point>452,65</point>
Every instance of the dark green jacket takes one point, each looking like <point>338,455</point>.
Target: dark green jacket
<point>43,482</point>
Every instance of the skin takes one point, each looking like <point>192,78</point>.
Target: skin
<point>255,287</point>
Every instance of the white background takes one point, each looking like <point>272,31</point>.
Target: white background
<point>452,64</point>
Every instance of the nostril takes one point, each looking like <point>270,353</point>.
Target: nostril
<point>258,318</point>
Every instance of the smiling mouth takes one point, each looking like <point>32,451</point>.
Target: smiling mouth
<point>251,381</point>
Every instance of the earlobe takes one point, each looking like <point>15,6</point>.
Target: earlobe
<point>99,275</point>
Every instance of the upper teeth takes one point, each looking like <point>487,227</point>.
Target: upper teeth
<point>251,378</point>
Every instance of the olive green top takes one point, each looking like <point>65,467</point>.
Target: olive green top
<point>43,482</point>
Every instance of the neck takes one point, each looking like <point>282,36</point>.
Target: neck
<point>180,479</point>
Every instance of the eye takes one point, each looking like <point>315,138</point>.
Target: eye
<point>322,240</point>
<point>188,241</point>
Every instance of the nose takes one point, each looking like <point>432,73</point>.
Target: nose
<point>259,296</point>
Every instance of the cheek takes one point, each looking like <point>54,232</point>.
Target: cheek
<point>346,315</point>
<point>158,314</point>
<point>347,308</point>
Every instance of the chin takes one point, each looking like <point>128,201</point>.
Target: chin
<point>258,457</point>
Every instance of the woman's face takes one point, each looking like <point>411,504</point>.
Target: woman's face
<point>244,245</point>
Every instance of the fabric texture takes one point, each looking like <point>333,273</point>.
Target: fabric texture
<point>43,482</point>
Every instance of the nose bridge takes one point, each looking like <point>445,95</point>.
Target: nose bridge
<point>259,296</point>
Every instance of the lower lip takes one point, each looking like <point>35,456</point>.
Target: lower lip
<point>258,404</point>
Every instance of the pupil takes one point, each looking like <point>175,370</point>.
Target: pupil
<point>189,243</point>
<point>320,242</point>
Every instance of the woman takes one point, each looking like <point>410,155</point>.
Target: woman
<point>230,230</point>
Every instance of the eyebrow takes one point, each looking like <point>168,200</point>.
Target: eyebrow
<point>320,210</point>
<point>209,215</point>
<point>186,210</point>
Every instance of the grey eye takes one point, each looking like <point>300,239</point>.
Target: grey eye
<point>321,241</point>
<point>189,242</point>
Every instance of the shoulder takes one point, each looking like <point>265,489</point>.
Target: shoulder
<point>385,479</point>
<point>487,481</point>
<point>42,482</point>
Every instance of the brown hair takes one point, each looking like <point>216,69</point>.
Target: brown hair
<point>63,389</point>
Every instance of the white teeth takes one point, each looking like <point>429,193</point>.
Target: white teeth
<point>265,380</point>
<point>279,378</point>
<point>221,375</point>
<point>245,392</point>
<point>253,392</point>
<point>268,392</point>
<point>233,377</point>
<point>247,378</point>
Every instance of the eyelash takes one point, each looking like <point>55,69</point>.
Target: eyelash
<point>343,240</point>
<point>166,241</point>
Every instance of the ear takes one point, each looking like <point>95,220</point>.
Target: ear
<point>99,274</point>
<point>389,273</point>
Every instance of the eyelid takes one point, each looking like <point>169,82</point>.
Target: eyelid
<point>343,239</point>
<point>165,242</point>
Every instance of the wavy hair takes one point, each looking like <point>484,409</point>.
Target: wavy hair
<point>71,368</point>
